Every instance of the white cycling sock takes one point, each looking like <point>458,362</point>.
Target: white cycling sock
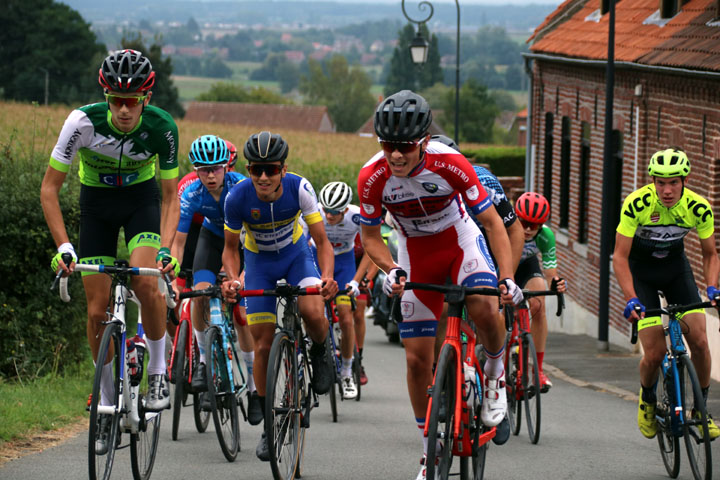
<point>157,365</point>
<point>107,385</point>
<point>421,428</point>
<point>200,340</point>
<point>346,369</point>
<point>249,359</point>
<point>494,364</point>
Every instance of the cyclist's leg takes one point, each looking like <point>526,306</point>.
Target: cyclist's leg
<point>344,273</point>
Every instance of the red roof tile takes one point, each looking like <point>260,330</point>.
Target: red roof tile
<point>684,41</point>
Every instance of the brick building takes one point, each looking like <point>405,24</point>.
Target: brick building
<point>667,93</point>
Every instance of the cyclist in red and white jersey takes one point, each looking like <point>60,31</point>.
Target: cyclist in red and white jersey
<point>422,184</point>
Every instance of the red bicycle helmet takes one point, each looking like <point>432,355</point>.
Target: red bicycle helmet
<point>233,153</point>
<point>532,207</point>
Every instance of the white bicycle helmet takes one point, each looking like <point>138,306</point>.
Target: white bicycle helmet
<point>336,196</point>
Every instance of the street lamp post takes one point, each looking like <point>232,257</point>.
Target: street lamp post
<point>419,49</point>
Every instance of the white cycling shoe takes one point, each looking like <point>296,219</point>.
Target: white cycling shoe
<point>349,388</point>
<point>494,404</point>
<point>423,470</point>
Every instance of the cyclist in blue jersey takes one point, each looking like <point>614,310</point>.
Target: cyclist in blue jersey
<point>267,209</point>
<point>118,143</point>
<point>210,156</point>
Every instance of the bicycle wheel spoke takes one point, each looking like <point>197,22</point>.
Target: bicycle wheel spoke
<point>180,374</point>
<point>531,387</point>
<point>442,414</point>
<point>668,442</point>
<point>695,428</point>
<point>222,401</point>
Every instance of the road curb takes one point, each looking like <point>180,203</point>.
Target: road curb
<point>597,386</point>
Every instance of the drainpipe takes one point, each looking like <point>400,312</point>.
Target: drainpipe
<point>529,167</point>
<point>638,97</point>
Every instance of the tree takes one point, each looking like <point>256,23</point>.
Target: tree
<point>233,92</point>
<point>41,35</point>
<point>165,93</point>
<point>477,112</point>
<point>403,73</point>
<point>345,91</point>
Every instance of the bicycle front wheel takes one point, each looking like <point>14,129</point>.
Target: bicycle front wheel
<point>442,413</point>
<point>531,387</point>
<point>103,431</point>
<point>180,373</point>
<point>222,400</point>
<point>282,407</point>
<point>668,442</point>
<point>336,385</point>
<point>512,382</point>
<point>356,370</point>
<point>695,428</point>
<point>143,444</point>
<point>201,417</point>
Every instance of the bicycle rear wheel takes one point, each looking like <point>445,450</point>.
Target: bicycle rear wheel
<point>143,445</point>
<point>514,400</point>
<point>282,407</point>
<point>440,423</point>
<point>100,459</point>
<point>695,428</point>
<point>531,387</point>
<point>356,372</point>
<point>180,373</point>
<point>668,442</point>
<point>478,451</point>
<point>336,385</point>
<point>222,400</point>
<point>201,417</point>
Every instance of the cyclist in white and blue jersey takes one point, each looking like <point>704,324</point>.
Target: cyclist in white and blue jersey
<point>267,209</point>
<point>205,196</point>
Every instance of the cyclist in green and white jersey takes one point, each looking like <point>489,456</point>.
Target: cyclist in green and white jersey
<point>650,257</point>
<point>533,211</point>
<point>118,143</point>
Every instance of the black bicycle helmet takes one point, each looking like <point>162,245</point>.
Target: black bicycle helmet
<point>126,71</point>
<point>446,140</point>
<point>265,147</point>
<point>402,117</point>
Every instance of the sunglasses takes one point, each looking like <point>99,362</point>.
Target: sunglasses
<point>402,147</point>
<point>330,211</point>
<point>205,171</point>
<point>257,170</point>
<point>129,102</point>
<point>530,225</point>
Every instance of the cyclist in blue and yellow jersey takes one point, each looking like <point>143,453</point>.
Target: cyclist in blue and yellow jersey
<point>267,209</point>
<point>533,210</point>
<point>650,257</point>
<point>118,143</point>
<point>342,224</point>
<point>210,157</point>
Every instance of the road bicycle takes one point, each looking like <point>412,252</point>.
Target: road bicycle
<point>521,375</point>
<point>680,410</point>
<point>184,358</point>
<point>455,397</point>
<point>225,378</point>
<point>289,395</point>
<point>332,345</point>
<point>126,412</point>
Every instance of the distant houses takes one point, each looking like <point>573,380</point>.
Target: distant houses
<point>273,117</point>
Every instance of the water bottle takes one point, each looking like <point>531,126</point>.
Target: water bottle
<point>131,359</point>
<point>470,387</point>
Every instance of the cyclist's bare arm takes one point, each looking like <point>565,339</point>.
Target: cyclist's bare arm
<point>326,259</point>
<point>178,246</point>
<point>499,241</point>
<point>363,268</point>
<point>231,263</point>
<point>376,249</point>
<point>50,201</point>
<point>550,275</point>
<point>517,242</point>
<point>169,214</point>
<point>621,266</point>
<point>711,263</point>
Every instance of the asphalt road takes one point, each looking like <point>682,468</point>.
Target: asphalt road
<point>587,432</point>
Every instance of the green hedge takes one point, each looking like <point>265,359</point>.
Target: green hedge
<point>503,161</point>
<point>39,334</point>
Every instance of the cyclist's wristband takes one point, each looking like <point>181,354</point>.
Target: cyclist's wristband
<point>162,253</point>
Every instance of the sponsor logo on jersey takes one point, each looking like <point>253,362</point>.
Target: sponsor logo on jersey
<point>471,266</point>
<point>430,187</point>
<point>356,218</point>
<point>396,188</point>
<point>394,197</point>
<point>171,143</point>
<point>655,217</point>
<point>70,144</point>
<point>368,208</point>
<point>309,189</point>
<point>255,213</point>
<point>144,135</point>
<point>368,184</point>
<point>472,193</point>
<point>407,309</point>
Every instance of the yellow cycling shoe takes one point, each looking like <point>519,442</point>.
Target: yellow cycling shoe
<point>646,418</point>
<point>713,429</point>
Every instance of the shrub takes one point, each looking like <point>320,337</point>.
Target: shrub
<point>503,161</point>
<point>39,334</point>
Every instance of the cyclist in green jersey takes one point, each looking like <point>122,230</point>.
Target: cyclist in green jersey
<point>533,211</point>
<point>118,143</point>
<point>650,257</point>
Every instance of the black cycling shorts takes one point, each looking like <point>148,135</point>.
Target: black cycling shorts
<point>672,276</point>
<point>528,268</point>
<point>208,257</point>
<point>190,245</point>
<point>103,211</point>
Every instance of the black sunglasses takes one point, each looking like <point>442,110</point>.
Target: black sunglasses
<point>256,169</point>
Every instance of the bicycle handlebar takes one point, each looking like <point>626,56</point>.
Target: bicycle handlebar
<point>667,310</point>
<point>165,286</point>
